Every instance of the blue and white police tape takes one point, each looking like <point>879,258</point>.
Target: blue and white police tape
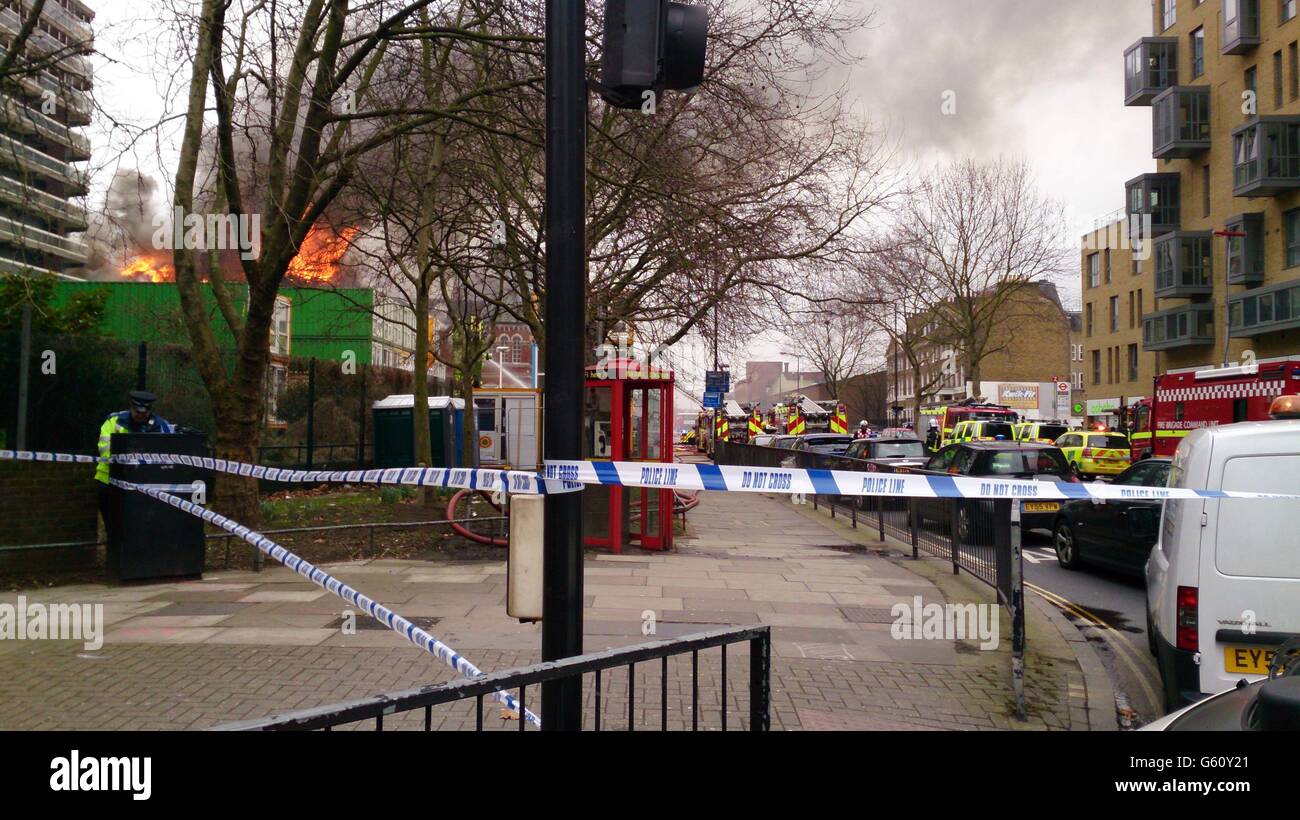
<point>324,580</point>
<point>519,482</point>
<point>797,480</point>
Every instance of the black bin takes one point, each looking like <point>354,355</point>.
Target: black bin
<point>151,539</point>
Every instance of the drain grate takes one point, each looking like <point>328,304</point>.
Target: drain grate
<point>366,622</point>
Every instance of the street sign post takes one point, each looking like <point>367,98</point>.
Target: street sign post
<point>712,401</point>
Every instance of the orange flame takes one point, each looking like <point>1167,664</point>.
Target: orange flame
<point>142,269</point>
<point>318,258</point>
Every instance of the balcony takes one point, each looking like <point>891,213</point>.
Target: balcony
<point>1266,310</point>
<point>15,154</point>
<point>1180,118</point>
<point>1186,326</point>
<point>66,55</point>
<point>26,236</point>
<point>13,266</point>
<point>1266,156</point>
<point>27,198</point>
<point>1150,66</point>
<point>1240,26</point>
<point>1153,198</point>
<point>15,116</point>
<point>1184,264</point>
<point>1245,255</point>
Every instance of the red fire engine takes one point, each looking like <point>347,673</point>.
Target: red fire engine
<point>1184,401</point>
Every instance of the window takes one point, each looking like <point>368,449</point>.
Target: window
<point>1198,52</point>
<point>1114,314</point>
<point>1288,12</point>
<point>1292,238</point>
<point>1205,190</point>
<point>1131,305</point>
<point>519,351</point>
<point>1249,83</point>
<point>1132,362</point>
<point>1139,304</point>
<point>1168,13</point>
<point>1088,318</point>
<point>1094,270</point>
<point>1293,51</point>
<point>1096,367</point>
<point>1277,79</point>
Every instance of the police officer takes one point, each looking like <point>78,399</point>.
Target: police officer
<point>139,419</point>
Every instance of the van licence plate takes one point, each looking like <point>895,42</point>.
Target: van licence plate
<point>1041,506</point>
<point>1247,660</point>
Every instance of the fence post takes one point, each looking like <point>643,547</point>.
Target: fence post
<point>142,367</point>
<point>361,440</point>
<point>311,407</point>
<point>760,664</point>
<point>912,528</point>
<point>954,540</point>
<point>853,511</point>
<point>24,370</point>
<point>880,516</point>
<point>1017,612</point>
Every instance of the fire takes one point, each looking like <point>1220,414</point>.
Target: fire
<point>143,269</point>
<point>318,258</point>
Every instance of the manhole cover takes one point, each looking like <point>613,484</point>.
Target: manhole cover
<point>367,622</point>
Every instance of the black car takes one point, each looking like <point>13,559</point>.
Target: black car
<point>1117,534</point>
<point>896,451</point>
<point>995,459</point>
<point>827,444</point>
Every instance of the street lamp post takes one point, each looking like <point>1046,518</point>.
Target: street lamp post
<point>501,361</point>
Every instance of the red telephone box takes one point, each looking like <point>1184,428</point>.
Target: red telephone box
<point>629,417</point>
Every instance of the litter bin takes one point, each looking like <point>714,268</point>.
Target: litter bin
<point>151,539</point>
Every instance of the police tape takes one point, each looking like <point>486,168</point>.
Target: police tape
<point>329,583</point>
<point>801,481</point>
<point>516,482</point>
<point>568,476</point>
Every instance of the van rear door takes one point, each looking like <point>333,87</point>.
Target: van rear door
<point>1250,593</point>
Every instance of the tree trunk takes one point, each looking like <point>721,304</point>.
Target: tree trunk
<point>469,430</point>
<point>420,387</point>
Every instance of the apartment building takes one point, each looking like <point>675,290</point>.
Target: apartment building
<point>43,99</point>
<point>1111,366</point>
<point>1222,78</point>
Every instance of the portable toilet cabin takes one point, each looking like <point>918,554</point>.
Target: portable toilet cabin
<point>394,442</point>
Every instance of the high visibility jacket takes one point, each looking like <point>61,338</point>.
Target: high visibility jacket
<point>123,423</point>
<point>840,421</point>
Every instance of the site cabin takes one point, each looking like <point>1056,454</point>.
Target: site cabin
<point>1188,400</point>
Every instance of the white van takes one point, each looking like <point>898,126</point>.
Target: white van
<point>1223,581</point>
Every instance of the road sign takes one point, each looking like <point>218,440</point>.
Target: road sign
<point>717,381</point>
<point>1063,388</point>
<point>712,400</point>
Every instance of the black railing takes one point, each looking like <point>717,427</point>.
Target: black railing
<point>519,681</point>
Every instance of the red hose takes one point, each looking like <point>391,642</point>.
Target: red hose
<point>460,530</point>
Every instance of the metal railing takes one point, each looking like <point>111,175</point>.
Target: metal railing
<point>390,706</point>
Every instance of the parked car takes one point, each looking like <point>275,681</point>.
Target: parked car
<point>827,444</point>
<point>764,441</point>
<point>995,459</point>
<point>1096,454</point>
<point>896,451</point>
<point>1223,581</point>
<point>1117,534</point>
<point>1272,704</point>
<point>1040,432</point>
<point>783,442</point>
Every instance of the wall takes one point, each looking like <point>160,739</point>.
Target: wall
<point>47,504</point>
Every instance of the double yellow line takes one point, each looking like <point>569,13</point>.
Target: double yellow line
<point>1124,649</point>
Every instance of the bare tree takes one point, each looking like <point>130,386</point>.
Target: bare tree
<point>837,343</point>
<point>972,236</point>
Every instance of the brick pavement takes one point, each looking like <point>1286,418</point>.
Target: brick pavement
<point>240,645</point>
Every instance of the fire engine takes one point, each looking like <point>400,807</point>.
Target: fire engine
<point>1183,401</point>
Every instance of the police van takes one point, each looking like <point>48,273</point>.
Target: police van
<point>1223,580</point>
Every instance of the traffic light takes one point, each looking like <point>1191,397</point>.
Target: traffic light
<point>651,45</point>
